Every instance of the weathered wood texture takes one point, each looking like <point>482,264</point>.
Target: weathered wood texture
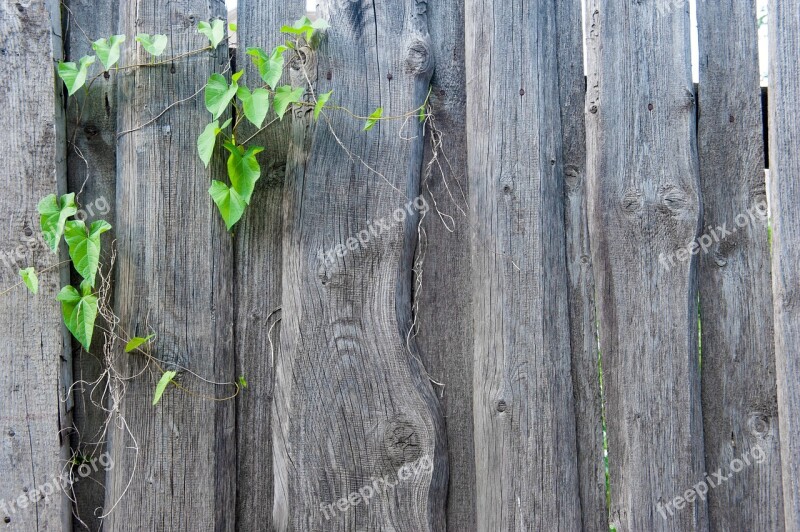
<point>784,134</point>
<point>740,411</point>
<point>582,319</point>
<point>352,402</point>
<point>644,200</point>
<point>443,281</point>
<point>34,348</point>
<point>91,174</point>
<point>174,279</point>
<point>525,447</point>
<point>258,280</point>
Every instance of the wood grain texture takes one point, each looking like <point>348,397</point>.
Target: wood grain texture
<point>175,280</point>
<point>258,286</point>
<point>352,402</point>
<point>582,319</point>
<point>644,200</point>
<point>443,282</point>
<point>784,132</point>
<point>91,174</point>
<point>525,447</point>
<point>740,411</point>
<point>35,355</point>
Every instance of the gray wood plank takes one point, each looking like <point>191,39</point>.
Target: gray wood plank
<point>35,355</point>
<point>352,402</point>
<point>644,200</point>
<point>91,174</point>
<point>525,447</point>
<point>174,278</point>
<point>582,319</point>
<point>443,284</point>
<point>784,127</point>
<point>258,280</point>
<point>740,411</point>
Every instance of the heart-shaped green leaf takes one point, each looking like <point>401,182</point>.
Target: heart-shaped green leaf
<point>74,76</point>
<point>284,97</point>
<point>305,27</point>
<point>153,44</point>
<point>30,279</point>
<point>166,378</point>
<point>84,248</point>
<point>54,215</point>
<point>108,50</point>
<point>208,140</point>
<point>254,104</point>
<point>219,94</point>
<point>79,311</point>
<point>243,169</point>
<point>322,99</point>
<point>373,118</point>
<point>230,204</point>
<point>137,341</point>
<point>215,31</point>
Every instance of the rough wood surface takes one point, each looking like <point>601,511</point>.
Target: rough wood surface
<point>784,132</point>
<point>352,402</point>
<point>258,280</point>
<point>644,200</point>
<point>525,447</point>
<point>443,289</point>
<point>91,174</point>
<point>582,319</point>
<point>35,353</point>
<point>174,279</point>
<point>740,411</point>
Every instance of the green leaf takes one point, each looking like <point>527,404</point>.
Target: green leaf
<point>230,204</point>
<point>373,118</point>
<point>284,97</point>
<point>219,94</point>
<point>208,140</point>
<point>136,341</point>
<point>322,99</point>
<point>255,104</point>
<point>74,76</point>
<point>242,381</point>
<point>54,215</point>
<point>215,31</point>
<point>166,378</point>
<point>243,169</point>
<point>108,50</point>
<point>269,66</point>
<point>80,312</point>
<point>422,114</point>
<point>30,279</point>
<point>232,27</point>
<point>305,27</point>
<point>84,248</point>
<point>153,44</point>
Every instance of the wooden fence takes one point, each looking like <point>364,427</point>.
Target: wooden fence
<point>593,270</point>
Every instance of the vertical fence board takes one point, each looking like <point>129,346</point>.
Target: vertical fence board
<point>174,279</point>
<point>784,134</point>
<point>91,174</point>
<point>524,417</point>
<point>643,201</point>
<point>582,319</point>
<point>33,380</point>
<point>739,396</point>
<point>352,402</point>
<point>258,279</point>
<point>443,288</point>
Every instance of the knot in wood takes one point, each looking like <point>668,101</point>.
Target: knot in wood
<point>401,441</point>
<point>759,424</point>
<point>419,58</point>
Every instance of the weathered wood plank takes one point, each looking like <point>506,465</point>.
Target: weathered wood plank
<point>258,280</point>
<point>352,402</point>
<point>740,411</point>
<point>525,447</point>
<point>174,278</point>
<point>443,282</point>
<point>91,174</point>
<point>35,351</point>
<point>784,131</point>
<point>644,200</point>
<point>582,319</point>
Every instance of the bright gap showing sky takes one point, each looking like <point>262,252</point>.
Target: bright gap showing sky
<point>311,5</point>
